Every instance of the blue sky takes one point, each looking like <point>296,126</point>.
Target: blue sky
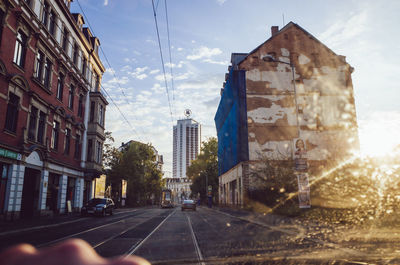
<point>203,34</point>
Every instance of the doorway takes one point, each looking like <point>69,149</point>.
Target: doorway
<point>52,192</point>
<point>30,192</point>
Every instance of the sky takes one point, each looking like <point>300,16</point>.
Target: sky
<point>202,36</point>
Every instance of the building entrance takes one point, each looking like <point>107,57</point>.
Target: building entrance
<point>30,192</point>
<point>52,192</point>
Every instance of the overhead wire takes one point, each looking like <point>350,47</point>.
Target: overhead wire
<point>170,59</point>
<point>114,75</point>
<point>162,61</point>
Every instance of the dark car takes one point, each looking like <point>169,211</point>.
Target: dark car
<point>188,204</point>
<point>98,206</point>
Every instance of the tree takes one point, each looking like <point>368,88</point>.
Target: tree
<point>205,169</point>
<point>137,164</point>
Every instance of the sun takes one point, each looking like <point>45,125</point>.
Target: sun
<point>378,138</point>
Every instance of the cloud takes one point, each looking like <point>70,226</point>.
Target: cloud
<point>152,72</point>
<point>110,71</point>
<point>179,65</point>
<point>179,49</point>
<point>105,2</point>
<point>212,103</point>
<point>204,52</point>
<point>177,77</point>
<point>221,2</point>
<point>345,30</point>
<point>208,60</point>
<point>138,73</point>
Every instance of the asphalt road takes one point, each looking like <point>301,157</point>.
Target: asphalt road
<point>205,236</point>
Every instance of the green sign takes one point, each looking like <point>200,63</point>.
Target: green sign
<point>10,154</point>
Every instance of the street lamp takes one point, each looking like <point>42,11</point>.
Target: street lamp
<point>270,58</point>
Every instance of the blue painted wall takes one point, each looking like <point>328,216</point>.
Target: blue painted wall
<point>231,123</point>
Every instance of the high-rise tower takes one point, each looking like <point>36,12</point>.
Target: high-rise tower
<point>186,144</point>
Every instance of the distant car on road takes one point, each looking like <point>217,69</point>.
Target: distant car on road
<point>188,204</point>
<point>98,206</point>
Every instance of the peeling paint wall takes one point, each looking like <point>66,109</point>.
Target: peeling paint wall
<point>326,109</point>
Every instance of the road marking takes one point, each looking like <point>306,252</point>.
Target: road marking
<point>196,244</point>
<point>82,232</point>
<point>137,246</point>
<point>51,225</point>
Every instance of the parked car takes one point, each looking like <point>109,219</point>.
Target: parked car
<point>188,204</point>
<point>98,206</point>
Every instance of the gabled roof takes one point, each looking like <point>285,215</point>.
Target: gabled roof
<point>281,31</point>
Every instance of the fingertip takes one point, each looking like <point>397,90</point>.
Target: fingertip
<point>130,260</point>
<point>14,254</point>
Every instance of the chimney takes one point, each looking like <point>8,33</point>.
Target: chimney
<point>274,30</point>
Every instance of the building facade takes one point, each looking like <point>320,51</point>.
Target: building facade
<point>52,110</point>
<point>186,147</point>
<point>291,89</point>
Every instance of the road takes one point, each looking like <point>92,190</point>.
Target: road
<point>205,236</point>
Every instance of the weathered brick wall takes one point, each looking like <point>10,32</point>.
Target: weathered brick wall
<point>327,118</point>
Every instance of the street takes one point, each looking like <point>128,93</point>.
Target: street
<point>205,236</point>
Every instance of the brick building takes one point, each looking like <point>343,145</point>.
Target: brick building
<point>290,89</point>
<point>51,108</point>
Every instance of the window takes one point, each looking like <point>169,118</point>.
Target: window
<point>84,66</point>
<point>45,14</point>
<point>2,15</point>
<point>98,152</point>
<point>12,113</point>
<point>101,115</point>
<point>75,54</point>
<point>52,24</point>
<point>80,106</point>
<point>47,74</point>
<point>41,127</point>
<point>71,97</point>
<point>67,142</point>
<point>64,41</point>
<point>54,135</point>
<point>60,87</point>
<point>77,153</point>
<point>97,88</point>
<point>92,106</point>
<point>32,123</point>
<point>39,65</point>
<point>20,49</point>
<point>90,150</point>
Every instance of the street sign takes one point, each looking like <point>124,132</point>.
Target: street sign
<point>209,188</point>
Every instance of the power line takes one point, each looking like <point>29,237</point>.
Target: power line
<point>108,62</point>
<point>170,57</point>
<point>162,61</point>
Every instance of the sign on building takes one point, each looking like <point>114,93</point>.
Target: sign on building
<point>100,187</point>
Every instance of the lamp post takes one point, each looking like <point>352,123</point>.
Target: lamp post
<point>270,58</point>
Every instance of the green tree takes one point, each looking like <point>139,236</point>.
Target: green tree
<point>204,170</point>
<point>137,164</point>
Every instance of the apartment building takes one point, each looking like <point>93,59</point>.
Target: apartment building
<point>52,109</point>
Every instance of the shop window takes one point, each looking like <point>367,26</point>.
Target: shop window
<point>4,171</point>
<point>20,49</point>
<point>12,113</point>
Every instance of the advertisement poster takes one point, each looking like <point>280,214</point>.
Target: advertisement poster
<point>300,155</point>
<point>124,188</point>
<point>100,187</point>
<point>304,190</point>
